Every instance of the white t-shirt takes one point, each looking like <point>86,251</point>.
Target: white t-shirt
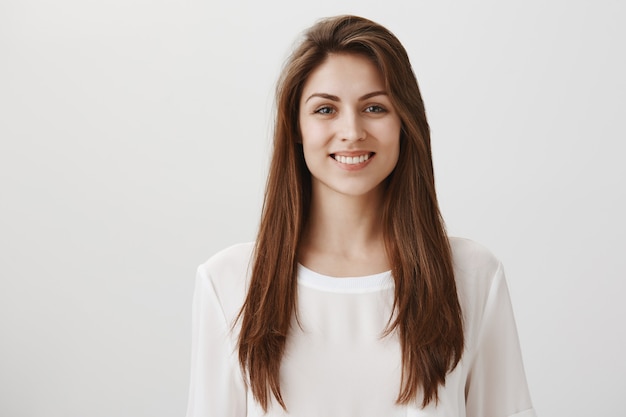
<point>336,362</point>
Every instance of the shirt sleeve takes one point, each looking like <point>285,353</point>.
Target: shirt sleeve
<point>496,384</point>
<point>216,385</point>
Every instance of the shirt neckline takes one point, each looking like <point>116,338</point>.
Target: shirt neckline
<point>360,284</point>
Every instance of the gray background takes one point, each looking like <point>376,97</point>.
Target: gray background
<point>134,144</point>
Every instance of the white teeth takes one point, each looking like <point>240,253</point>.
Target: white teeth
<point>352,160</point>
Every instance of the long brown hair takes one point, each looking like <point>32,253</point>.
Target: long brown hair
<point>427,315</point>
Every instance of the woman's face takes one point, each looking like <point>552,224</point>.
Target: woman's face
<point>350,130</point>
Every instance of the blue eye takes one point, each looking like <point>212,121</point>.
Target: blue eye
<point>325,110</point>
<point>375,109</point>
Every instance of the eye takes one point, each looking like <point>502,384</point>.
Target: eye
<point>375,109</point>
<point>325,110</point>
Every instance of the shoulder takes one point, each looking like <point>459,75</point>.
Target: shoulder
<point>233,260</point>
<point>470,257</point>
<point>477,272</point>
<point>227,274</point>
<point>475,267</point>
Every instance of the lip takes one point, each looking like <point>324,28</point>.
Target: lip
<point>353,153</point>
<point>352,167</point>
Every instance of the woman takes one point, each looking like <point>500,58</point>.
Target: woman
<point>353,301</point>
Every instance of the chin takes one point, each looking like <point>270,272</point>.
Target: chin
<point>355,190</point>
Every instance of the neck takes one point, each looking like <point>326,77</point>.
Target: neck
<point>344,230</point>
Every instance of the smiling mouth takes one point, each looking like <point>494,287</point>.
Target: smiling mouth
<point>352,160</point>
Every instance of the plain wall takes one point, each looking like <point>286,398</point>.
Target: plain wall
<point>134,141</point>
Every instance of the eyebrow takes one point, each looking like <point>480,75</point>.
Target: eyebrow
<point>335,98</point>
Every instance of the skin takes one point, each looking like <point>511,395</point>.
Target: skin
<point>345,111</point>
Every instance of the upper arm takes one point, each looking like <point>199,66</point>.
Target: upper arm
<point>496,384</point>
<point>216,387</point>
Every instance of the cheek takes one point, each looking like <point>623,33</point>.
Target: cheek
<point>311,144</point>
<point>392,143</point>
<point>395,152</point>
<point>312,134</point>
<point>389,135</point>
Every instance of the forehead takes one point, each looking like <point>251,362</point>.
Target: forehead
<point>344,74</point>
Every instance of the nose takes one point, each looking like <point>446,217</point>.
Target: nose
<point>352,128</point>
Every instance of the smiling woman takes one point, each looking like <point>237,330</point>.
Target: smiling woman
<point>353,301</point>
<point>350,129</point>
